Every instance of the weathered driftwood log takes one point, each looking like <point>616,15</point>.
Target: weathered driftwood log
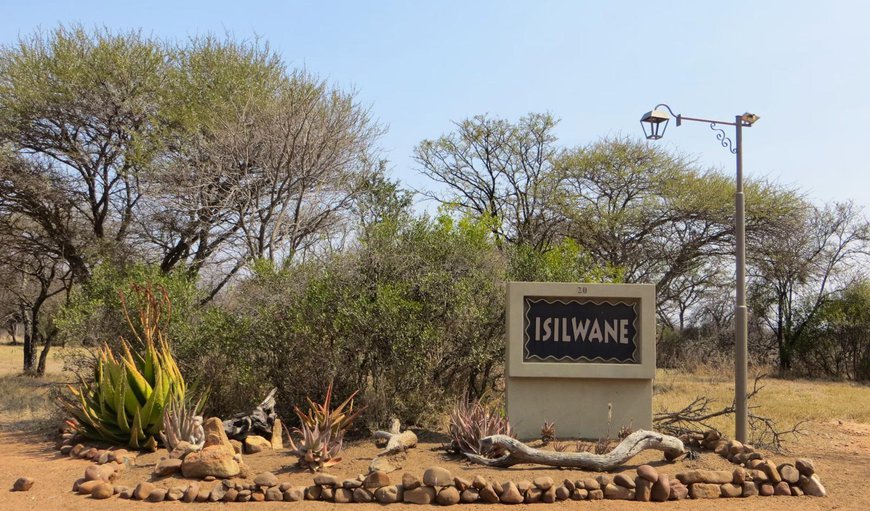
<point>633,444</point>
<point>258,422</point>
<point>396,440</point>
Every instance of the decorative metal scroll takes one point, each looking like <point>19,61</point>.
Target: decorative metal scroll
<point>723,138</point>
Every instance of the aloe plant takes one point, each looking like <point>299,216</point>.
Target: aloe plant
<point>322,430</point>
<point>125,401</point>
<point>318,448</point>
<point>339,419</point>
<point>182,422</point>
<point>471,421</point>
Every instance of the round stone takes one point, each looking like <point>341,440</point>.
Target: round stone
<point>102,490</point>
<point>266,479</point>
<point>437,476</point>
<point>648,472</point>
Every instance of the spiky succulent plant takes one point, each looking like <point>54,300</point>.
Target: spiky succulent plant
<point>322,430</point>
<point>339,418</point>
<point>548,432</point>
<point>182,422</point>
<point>318,448</point>
<point>124,403</point>
<point>473,420</point>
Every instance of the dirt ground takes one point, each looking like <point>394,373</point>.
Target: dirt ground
<point>841,451</point>
<point>837,439</point>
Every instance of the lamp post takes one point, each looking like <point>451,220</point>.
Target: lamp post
<point>654,124</point>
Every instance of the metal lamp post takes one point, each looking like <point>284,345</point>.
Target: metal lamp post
<point>654,124</point>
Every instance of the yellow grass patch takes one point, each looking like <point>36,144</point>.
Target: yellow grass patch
<point>785,401</point>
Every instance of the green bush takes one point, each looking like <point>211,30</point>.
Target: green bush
<point>837,342</point>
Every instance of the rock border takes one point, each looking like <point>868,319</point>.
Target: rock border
<point>756,476</point>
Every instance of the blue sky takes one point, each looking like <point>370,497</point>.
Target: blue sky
<point>804,67</point>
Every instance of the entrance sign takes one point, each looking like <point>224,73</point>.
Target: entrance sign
<point>580,330</point>
<point>578,352</point>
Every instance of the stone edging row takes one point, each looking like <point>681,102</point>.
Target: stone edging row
<point>755,477</point>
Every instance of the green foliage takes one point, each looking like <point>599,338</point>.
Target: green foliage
<point>125,401</point>
<point>413,315</point>
<point>564,262</point>
<point>837,342</point>
<point>94,79</point>
<point>94,313</point>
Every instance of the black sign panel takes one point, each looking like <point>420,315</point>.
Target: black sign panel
<point>580,330</point>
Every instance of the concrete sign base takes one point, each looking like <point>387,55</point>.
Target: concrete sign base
<point>575,350</point>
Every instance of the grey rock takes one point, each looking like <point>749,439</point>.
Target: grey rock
<point>704,491</point>
<point>731,490</point>
<point>156,495</point>
<point>814,487</point>
<point>643,489</point>
<point>624,481</point>
<point>362,495</point>
<point>343,495</point>
<point>648,472</point>
<point>789,473</point>
<point>294,494</point>
<point>410,481</point>
<point>266,479</point>
<point>326,480</point>
<point>661,489</point>
<point>805,466</point>
<point>167,466</point>
<point>274,494</point>
<point>511,494</point>
<point>376,480</point>
<point>469,495</point>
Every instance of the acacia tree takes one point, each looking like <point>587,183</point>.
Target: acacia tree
<point>656,215</point>
<point>500,170</point>
<point>202,156</point>
<point>267,161</point>
<point>799,264</point>
<point>32,276</point>
<point>81,109</point>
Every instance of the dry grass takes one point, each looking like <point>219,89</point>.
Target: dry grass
<point>12,358</point>
<point>27,402</point>
<point>785,401</point>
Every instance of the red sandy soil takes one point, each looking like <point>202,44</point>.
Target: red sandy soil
<point>840,450</point>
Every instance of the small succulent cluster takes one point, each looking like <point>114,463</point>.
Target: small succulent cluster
<point>473,420</point>
<point>182,422</point>
<point>548,432</point>
<point>322,431</point>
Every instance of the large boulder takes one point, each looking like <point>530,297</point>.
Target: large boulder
<point>215,434</point>
<point>256,443</point>
<point>215,460</point>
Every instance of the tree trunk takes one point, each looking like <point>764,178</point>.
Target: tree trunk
<point>29,341</point>
<point>518,452</point>
<point>43,355</point>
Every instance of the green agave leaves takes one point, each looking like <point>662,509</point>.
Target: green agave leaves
<point>121,405</point>
<point>125,401</point>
